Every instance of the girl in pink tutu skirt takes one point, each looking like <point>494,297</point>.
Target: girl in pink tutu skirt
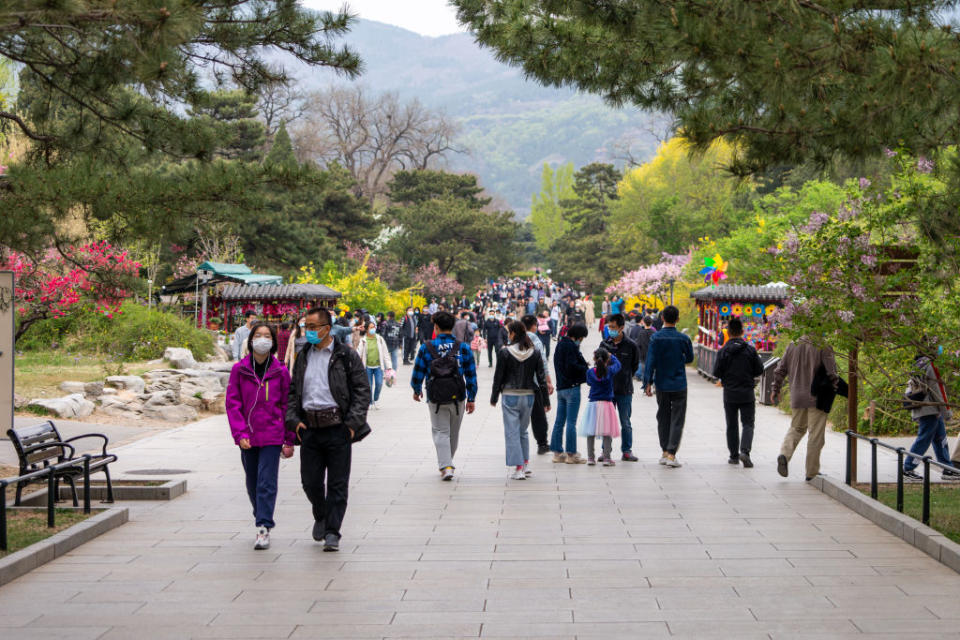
<point>601,418</point>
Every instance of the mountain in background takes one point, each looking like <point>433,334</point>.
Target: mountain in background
<point>510,125</point>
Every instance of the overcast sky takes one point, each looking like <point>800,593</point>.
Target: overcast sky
<point>427,17</point>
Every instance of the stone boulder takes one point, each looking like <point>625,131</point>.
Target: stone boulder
<point>171,413</point>
<point>133,383</point>
<point>179,358</point>
<point>123,405</point>
<point>72,406</point>
<point>93,389</point>
<point>217,405</point>
<point>171,383</point>
<point>19,402</point>
<point>72,387</point>
<point>159,399</point>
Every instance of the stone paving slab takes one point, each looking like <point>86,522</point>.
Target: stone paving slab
<point>636,550</point>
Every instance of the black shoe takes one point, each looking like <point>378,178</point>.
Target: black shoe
<point>745,459</point>
<point>331,542</point>
<point>912,476</point>
<point>782,465</point>
<point>629,457</point>
<point>319,527</point>
<point>542,449</point>
<point>733,460</point>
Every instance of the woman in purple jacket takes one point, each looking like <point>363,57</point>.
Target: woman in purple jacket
<point>256,404</point>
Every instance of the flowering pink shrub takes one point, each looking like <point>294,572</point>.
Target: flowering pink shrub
<point>49,286</point>
<point>653,279</point>
<point>435,282</point>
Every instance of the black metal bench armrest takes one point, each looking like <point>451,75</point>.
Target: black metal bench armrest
<point>92,435</point>
<point>47,445</point>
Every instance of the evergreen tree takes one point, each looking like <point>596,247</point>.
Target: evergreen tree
<point>124,137</point>
<point>585,252</point>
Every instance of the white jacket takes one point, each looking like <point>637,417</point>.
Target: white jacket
<point>381,346</point>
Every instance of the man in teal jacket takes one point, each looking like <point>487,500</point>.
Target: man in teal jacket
<point>667,357</point>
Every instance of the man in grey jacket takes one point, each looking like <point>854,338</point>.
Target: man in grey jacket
<point>930,411</point>
<point>800,363</point>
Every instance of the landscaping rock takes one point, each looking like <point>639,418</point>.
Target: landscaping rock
<point>159,399</point>
<point>72,406</point>
<point>19,402</point>
<point>217,405</point>
<point>179,358</point>
<point>133,383</point>
<point>171,383</point>
<point>123,407</point>
<point>109,391</point>
<point>93,389</point>
<point>71,387</point>
<point>218,356</point>
<point>171,413</point>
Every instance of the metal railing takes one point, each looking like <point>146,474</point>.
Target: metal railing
<point>902,453</point>
<point>50,473</point>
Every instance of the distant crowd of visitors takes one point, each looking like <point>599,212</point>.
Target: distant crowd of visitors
<point>327,372</point>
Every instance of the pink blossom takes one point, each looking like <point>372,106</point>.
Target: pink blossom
<point>890,153</point>
<point>924,165</point>
<point>869,260</point>
<point>651,279</point>
<point>864,183</point>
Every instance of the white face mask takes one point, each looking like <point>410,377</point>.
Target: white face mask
<point>262,346</point>
<point>409,313</point>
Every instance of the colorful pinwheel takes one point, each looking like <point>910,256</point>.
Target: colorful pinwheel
<point>714,270</point>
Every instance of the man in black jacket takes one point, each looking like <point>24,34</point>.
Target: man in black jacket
<point>392,335</point>
<point>642,336</point>
<point>492,332</point>
<point>409,331</point>
<point>629,356</point>
<point>327,407</point>
<point>737,368</point>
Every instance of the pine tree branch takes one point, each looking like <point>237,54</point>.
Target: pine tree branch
<point>6,115</point>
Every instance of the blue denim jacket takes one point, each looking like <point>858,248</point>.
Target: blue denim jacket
<point>667,356</point>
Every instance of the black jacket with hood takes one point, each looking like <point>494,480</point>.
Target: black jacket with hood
<point>519,369</point>
<point>738,365</point>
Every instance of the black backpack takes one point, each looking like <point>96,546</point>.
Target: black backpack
<point>445,385</point>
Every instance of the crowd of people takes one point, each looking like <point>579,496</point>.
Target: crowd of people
<point>327,372</point>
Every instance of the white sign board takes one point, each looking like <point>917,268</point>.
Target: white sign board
<point>6,350</point>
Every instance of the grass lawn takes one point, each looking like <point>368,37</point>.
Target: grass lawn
<point>24,527</point>
<point>944,504</point>
<point>38,374</point>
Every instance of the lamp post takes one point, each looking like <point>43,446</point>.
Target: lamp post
<point>149,293</point>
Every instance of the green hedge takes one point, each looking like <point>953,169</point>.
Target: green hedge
<point>135,333</point>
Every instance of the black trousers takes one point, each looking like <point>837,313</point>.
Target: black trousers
<point>545,339</point>
<point>747,412</point>
<point>325,473</point>
<point>538,421</point>
<point>671,414</point>
<point>492,348</point>
<point>409,349</point>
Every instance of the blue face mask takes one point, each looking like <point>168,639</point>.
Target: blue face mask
<point>613,332</point>
<point>940,350</point>
<point>312,337</point>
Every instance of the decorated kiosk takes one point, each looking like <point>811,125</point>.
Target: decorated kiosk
<point>272,303</point>
<point>753,304</point>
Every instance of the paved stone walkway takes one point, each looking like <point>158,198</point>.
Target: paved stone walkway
<point>633,551</point>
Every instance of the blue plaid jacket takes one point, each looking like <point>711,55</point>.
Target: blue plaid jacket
<point>468,367</point>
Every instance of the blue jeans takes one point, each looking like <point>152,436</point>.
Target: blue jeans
<point>568,406</point>
<point>930,430</point>
<point>639,374</point>
<point>375,375</point>
<point>516,422</point>
<point>625,410</point>
<point>394,357</point>
<point>261,466</point>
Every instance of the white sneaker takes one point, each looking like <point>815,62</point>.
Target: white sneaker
<point>375,406</point>
<point>673,462</point>
<point>527,471</point>
<point>447,473</point>
<point>263,539</point>
<point>518,475</point>
<point>664,459</point>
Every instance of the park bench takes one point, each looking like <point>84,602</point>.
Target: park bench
<point>40,446</point>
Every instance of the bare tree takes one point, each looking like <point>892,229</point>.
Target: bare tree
<point>280,104</point>
<point>659,128</point>
<point>372,136</point>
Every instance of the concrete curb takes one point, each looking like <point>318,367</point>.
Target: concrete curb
<point>911,531</point>
<point>98,491</point>
<point>17,564</point>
